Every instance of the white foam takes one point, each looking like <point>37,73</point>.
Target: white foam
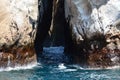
<point>101,68</point>
<point>70,70</point>
<point>114,67</point>
<point>97,68</point>
<point>18,67</point>
<point>99,76</point>
<point>62,66</point>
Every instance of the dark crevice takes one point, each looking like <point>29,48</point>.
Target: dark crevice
<point>44,22</point>
<point>56,32</point>
<point>60,34</point>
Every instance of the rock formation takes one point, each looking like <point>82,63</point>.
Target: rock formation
<point>17,31</point>
<point>89,30</point>
<point>95,31</point>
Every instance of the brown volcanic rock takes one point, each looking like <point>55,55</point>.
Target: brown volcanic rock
<point>18,57</point>
<point>95,31</point>
<point>17,31</point>
<point>104,58</point>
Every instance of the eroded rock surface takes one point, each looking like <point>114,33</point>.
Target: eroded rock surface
<point>18,21</point>
<point>95,28</point>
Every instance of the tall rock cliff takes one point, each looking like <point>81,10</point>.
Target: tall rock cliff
<point>17,31</point>
<point>89,30</point>
<point>95,30</point>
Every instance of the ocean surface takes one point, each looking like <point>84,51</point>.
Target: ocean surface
<point>54,65</point>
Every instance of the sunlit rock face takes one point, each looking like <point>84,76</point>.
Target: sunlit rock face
<point>18,21</point>
<point>95,28</point>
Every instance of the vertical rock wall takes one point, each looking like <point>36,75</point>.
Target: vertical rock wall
<point>95,28</point>
<point>18,21</point>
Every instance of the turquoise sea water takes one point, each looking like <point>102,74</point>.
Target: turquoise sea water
<point>53,66</point>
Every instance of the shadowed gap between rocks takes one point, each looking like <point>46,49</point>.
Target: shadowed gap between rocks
<point>52,29</point>
<point>44,22</point>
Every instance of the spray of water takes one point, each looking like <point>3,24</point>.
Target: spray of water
<point>19,67</point>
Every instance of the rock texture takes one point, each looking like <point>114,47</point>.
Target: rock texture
<point>17,31</point>
<point>95,31</point>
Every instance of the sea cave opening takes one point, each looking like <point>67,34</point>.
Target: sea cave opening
<point>52,29</point>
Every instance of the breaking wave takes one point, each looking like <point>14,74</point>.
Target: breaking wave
<point>18,67</point>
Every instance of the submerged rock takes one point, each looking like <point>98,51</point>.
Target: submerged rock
<point>94,26</point>
<point>17,31</point>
